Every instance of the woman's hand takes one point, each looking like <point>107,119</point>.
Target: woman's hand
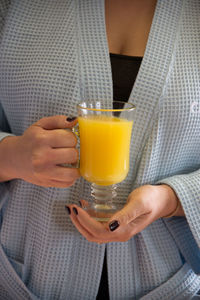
<point>144,205</point>
<point>37,156</point>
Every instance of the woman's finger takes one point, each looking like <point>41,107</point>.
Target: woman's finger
<point>59,184</point>
<point>132,210</point>
<point>79,227</point>
<point>59,173</point>
<point>97,232</point>
<point>63,156</point>
<point>56,122</point>
<point>96,229</point>
<point>140,223</point>
<point>61,138</point>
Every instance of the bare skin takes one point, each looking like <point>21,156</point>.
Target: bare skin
<point>145,205</point>
<point>128,23</point>
<point>37,155</point>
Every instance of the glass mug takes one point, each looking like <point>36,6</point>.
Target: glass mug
<point>105,135</point>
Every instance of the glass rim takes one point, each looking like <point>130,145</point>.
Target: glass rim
<point>131,108</point>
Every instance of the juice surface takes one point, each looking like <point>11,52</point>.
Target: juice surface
<point>104,148</point>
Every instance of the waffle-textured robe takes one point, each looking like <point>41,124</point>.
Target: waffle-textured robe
<point>54,54</point>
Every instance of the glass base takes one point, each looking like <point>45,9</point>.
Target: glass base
<point>102,208</point>
<point>102,212</point>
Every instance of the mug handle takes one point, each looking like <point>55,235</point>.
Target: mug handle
<point>76,165</point>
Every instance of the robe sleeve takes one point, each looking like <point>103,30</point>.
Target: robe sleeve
<point>4,126</point>
<point>186,230</point>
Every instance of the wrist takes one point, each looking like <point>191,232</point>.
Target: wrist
<point>172,205</point>
<point>8,148</point>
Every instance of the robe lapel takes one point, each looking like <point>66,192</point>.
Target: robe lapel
<point>147,93</point>
<point>94,62</point>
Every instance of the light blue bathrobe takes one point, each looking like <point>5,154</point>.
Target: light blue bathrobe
<point>54,54</point>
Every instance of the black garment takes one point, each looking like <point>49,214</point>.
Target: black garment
<point>124,72</point>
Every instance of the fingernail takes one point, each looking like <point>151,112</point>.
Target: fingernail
<point>113,225</point>
<point>68,209</point>
<point>80,203</point>
<point>71,119</point>
<point>75,210</point>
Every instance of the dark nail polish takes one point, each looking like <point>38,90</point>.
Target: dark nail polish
<point>75,210</point>
<point>114,225</point>
<point>80,203</point>
<point>71,119</point>
<point>68,209</point>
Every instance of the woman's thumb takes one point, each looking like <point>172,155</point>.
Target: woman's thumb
<point>56,122</point>
<point>127,214</point>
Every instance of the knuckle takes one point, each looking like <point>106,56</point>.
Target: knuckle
<point>39,138</point>
<point>68,184</point>
<point>129,215</point>
<point>73,174</point>
<point>72,138</point>
<point>47,155</point>
<point>44,119</point>
<point>36,163</point>
<point>39,160</point>
<point>74,154</point>
<point>122,218</point>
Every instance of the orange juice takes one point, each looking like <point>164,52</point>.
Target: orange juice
<point>104,148</point>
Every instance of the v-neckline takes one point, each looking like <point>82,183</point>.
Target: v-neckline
<point>96,76</point>
<point>148,89</point>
